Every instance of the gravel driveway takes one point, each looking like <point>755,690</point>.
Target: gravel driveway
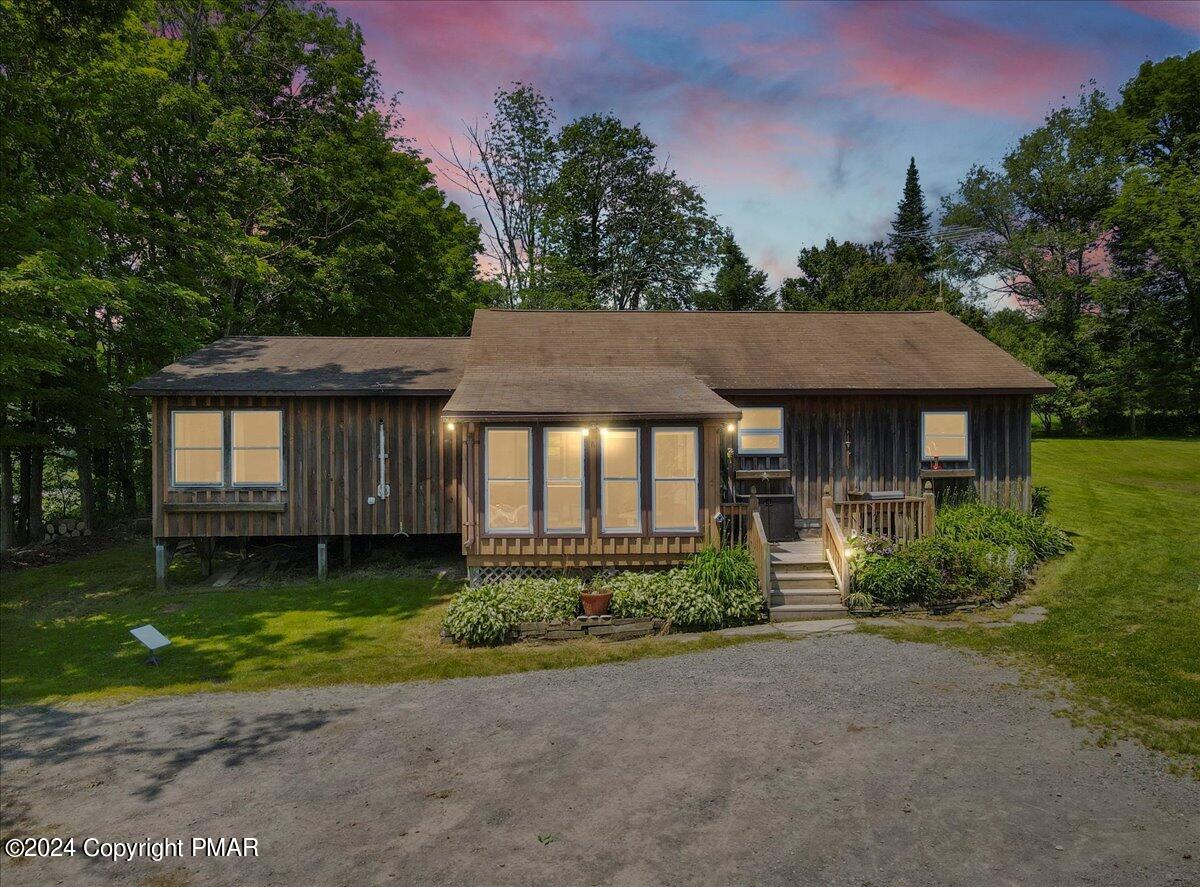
<point>844,759</point>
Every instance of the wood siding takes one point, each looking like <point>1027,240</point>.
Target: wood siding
<point>593,548</point>
<point>885,444</point>
<point>330,468</point>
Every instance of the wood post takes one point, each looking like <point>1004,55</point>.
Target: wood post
<point>205,549</point>
<point>322,558</point>
<point>160,565</point>
<point>927,522</point>
<point>347,549</point>
<point>826,500</point>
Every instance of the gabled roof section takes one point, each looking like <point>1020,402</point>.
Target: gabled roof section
<point>300,365</point>
<point>767,351</point>
<point>507,392</point>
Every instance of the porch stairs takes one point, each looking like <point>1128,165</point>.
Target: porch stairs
<point>802,584</point>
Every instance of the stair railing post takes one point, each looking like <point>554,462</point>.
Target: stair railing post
<point>927,523</point>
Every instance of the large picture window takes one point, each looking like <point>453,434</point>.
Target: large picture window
<point>760,431</point>
<point>564,480</point>
<point>198,448</point>
<point>257,450</point>
<point>944,435</point>
<point>508,487</point>
<point>620,481</point>
<point>676,481</point>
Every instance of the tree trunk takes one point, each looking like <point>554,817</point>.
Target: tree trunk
<point>6,499</point>
<point>87,494</point>
<point>35,520</point>
<point>24,465</point>
<point>125,479</point>
<point>100,468</point>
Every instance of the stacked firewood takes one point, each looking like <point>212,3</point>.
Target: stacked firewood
<point>67,528</point>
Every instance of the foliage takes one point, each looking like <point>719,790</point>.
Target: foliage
<point>715,588</point>
<point>859,602</point>
<point>855,277</point>
<point>730,576</point>
<point>909,240</point>
<point>487,614</point>
<point>1039,500</point>
<point>738,285</point>
<point>1005,527</point>
<point>977,551</point>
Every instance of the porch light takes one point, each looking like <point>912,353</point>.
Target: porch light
<point>730,428</point>
<point>583,432</point>
<point>449,426</point>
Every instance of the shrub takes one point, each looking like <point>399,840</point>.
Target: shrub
<point>1005,527</point>
<point>1039,502</point>
<point>730,576</point>
<point>895,579</point>
<point>967,568</point>
<point>488,614</point>
<point>481,616</point>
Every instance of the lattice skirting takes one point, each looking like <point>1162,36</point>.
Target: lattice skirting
<point>488,575</point>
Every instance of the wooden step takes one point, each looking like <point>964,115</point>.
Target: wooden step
<point>798,561</point>
<point>784,597</point>
<point>804,579</point>
<point>795,612</point>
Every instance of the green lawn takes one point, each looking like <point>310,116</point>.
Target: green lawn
<point>64,633</point>
<point>1124,623</point>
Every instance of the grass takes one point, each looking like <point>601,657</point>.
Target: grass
<point>64,633</point>
<point>1124,606</point>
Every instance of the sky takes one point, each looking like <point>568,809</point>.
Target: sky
<point>795,120</point>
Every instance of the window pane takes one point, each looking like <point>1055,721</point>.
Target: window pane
<point>621,505</point>
<point>201,429</point>
<point>762,418</point>
<point>197,466</point>
<point>564,507</point>
<point>946,423</point>
<point>508,505</point>
<point>675,505</point>
<point>257,467</point>
<point>946,447</point>
<point>620,453</point>
<point>674,454</point>
<point>256,428</point>
<point>766,442</point>
<point>563,450</point>
<point>508,452</point>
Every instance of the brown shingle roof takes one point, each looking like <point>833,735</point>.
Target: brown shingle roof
<point>314,365</point>
<point>761,351</point>
<point>521,392</point>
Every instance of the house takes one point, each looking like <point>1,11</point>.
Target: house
<point>553,440</point>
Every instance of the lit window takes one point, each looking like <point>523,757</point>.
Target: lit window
<point>508,488</point>
<point>760,431</point>
<point>676,483</point>
<point>944,435</point>
<point>257,452</point>
<point>198,442</point>
<point>620,481</point>
<point>564,480</point>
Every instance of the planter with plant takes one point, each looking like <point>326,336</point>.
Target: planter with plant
<point>596,601</point>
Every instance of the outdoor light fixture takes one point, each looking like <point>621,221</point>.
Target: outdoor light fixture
<point>583,432</point>
<point>730,428</point>
<point>449,426</point>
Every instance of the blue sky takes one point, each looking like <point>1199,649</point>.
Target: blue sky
<point>795,120</point>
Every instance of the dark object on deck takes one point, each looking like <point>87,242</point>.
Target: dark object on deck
<point>878,495</point>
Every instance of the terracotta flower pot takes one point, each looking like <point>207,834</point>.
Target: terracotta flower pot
<point>595,603</point>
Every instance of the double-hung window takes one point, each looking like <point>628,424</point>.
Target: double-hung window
<point>620,481</point>
<point>257,447</point>
<point>508,487</point>
<point>760,431</point>
<point>564,480</point>
<point>944,435</point>
<point>198,448</point>
<point>676,480</point>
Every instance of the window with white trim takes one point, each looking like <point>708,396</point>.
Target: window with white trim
<point>944,435</point>
<point>563,492</point>
<point>256,452</point>
<point>620,481</point>
<point>508,486</point>
<point>197,448</point>
<point>760,431</point>
<point>676,480</point>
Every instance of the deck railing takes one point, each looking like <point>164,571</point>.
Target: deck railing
<point>833,543</point>
<point>760,550</point>
<point>735,523</point>
<point>901,519</point>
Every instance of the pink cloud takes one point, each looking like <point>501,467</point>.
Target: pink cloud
<point>1182,14</point>
<point>919,51</point>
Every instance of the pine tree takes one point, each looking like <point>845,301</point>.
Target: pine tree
<point>910,231</point>
<point>738,285</point>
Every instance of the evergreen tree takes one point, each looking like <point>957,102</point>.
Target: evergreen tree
<point>738,285</point>
<point>910,231</point>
